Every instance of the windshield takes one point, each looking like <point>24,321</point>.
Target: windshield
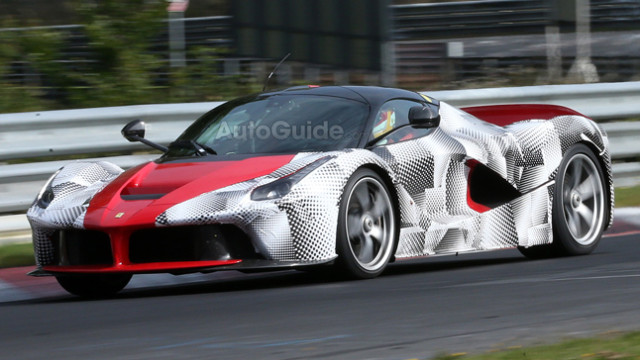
<point>274,124</point>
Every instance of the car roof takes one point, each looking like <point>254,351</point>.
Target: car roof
<point>372,95</point>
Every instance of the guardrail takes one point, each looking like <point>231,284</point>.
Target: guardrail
<point>50,134</point>
<point>601,101</point>
<point>93,131</point>
<point>69,132</point>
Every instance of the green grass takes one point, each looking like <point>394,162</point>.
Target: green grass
<point>606,347</point>
<point>20,254</point>
<point>628,196</point>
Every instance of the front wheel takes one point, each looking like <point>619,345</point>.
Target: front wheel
<point>94,285</point>
<point>367,229</point>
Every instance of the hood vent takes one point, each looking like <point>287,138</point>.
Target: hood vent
<point>131,197</point>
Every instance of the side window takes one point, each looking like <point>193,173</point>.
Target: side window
<point>392,115</point>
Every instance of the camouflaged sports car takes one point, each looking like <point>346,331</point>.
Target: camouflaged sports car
<point>347,176</point>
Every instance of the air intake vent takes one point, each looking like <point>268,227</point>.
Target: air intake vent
<point>190,243</point>
<point>82,247</point>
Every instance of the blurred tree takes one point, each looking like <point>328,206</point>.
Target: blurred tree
<point>201,80</point>
<point>116,58</point>
<point>40,12</point>
<point>62,12</point>
<point>27,68</point>
<point>122,67</point>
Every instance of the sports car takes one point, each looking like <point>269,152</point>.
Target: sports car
<point>348,177</point>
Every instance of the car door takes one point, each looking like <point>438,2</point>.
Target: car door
<point>429,166</point>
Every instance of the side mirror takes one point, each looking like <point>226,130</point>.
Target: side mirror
<point>426,116</point>
<point>134,131</point>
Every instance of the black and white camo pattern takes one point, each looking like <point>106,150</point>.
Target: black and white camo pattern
<point>430,180</point>
<point>301,226</point>
<point>73,187</point>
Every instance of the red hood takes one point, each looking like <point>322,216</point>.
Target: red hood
<point>140,194</point>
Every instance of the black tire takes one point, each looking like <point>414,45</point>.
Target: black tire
<point>94,285</point>
<point>367,229</point>
<point>539,251</point>
<point>579,206</point>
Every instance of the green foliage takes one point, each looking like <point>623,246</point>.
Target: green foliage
<point>20,254</point>
<point>32,53</point>
<point>123,68</point>
<point>199,81</point>
<point>627,196</point>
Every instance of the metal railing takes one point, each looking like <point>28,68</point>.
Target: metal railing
<point>502,17</point>
<point>480,18</point>
<point>615,14</point>
<point>69,132</point>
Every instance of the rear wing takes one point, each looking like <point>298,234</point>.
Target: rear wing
<point>503,115</point>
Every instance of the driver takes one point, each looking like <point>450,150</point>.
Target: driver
<point>385,122</point>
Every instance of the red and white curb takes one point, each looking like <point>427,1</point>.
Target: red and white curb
<point>16,285</point>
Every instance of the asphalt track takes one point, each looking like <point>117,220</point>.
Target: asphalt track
<point>417,309</point>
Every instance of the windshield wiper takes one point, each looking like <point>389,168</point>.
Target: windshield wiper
<point>201,149</point>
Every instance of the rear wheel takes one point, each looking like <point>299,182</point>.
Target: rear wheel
<point>367,230</point>
<point>94,285</point>
<point>578,206</point>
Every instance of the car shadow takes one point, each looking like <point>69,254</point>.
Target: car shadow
<point>403,267</point>
<point>293,278</point>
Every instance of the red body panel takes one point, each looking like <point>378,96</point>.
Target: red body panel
<point>178,182</point>
<point>472,163</point>
<point>140,268</point>
<point>503,115</point>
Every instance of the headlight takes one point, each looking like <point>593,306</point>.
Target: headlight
<point>281,187</point>
<point>273,190</point>
<point>46,195</point>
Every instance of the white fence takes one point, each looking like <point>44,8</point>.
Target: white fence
<point>97,131</point>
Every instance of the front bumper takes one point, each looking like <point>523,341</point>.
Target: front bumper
<point>176,250</point>
<point>178,268</point>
